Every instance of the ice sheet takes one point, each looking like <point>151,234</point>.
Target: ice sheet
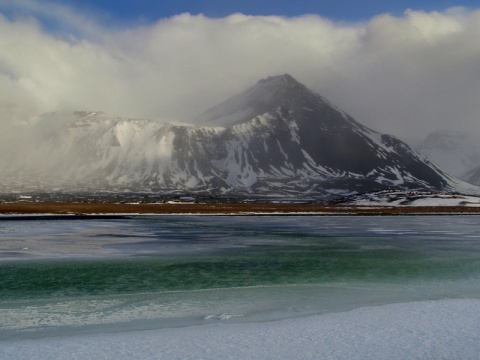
<point>446,329</point>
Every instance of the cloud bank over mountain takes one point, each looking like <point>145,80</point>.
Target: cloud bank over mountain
<point>401,75</point>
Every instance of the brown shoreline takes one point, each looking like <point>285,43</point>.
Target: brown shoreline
<point>58,208</point>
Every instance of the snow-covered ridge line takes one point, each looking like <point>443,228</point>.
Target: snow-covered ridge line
<point>288,141</point>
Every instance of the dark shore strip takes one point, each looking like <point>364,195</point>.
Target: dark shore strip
<point>116,210</point>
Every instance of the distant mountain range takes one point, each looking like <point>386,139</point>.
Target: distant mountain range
<point>277,138</point>
<point>456,152</point>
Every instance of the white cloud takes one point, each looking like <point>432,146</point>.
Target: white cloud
<point>402,75</point>
<point>66,19</point>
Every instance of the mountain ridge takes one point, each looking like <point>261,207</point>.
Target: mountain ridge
<point>277,138</point>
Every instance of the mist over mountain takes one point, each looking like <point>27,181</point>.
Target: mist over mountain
<point>276,138</point>
<point>456,152</point>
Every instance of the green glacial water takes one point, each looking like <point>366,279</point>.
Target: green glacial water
<point>159,271</point>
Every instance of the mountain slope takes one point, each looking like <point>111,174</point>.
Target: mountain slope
<point>276,138</point>
<point>295,138</point>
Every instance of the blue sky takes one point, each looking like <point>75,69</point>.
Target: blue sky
<point>338,10</point>
<point>346,10</point>
<point>393,70</point>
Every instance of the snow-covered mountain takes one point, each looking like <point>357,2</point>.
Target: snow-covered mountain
<point>456,152</point>
<point>276,138</point>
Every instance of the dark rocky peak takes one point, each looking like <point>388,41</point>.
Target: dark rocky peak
<point>267,89</point>
<point>283,90</point>
<point>268,95</point>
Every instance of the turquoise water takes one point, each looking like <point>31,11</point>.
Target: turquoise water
<point>160,271</point>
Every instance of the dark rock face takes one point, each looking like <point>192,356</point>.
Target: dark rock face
<point>276,138</point>
<point>298,141</point>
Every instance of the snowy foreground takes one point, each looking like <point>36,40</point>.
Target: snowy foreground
<point>444,329</point>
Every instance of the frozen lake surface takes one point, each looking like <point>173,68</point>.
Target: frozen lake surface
<point>226,282</point>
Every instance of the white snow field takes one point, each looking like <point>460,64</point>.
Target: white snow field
<point>442,329</point>
<point>414,198</point>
